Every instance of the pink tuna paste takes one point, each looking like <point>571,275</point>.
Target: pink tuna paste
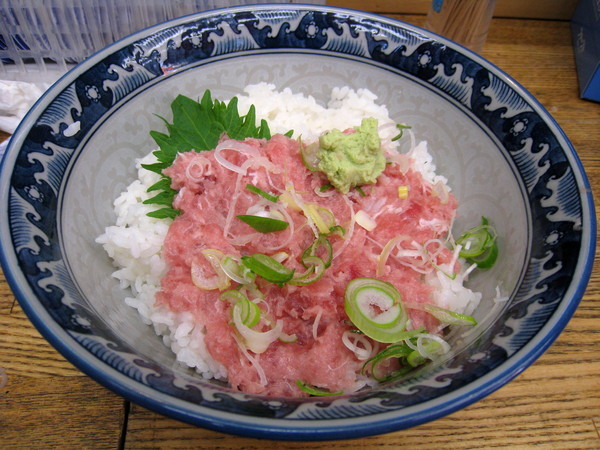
<point>211,195</point>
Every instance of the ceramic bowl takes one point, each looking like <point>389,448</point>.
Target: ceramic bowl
<point>503,154</point>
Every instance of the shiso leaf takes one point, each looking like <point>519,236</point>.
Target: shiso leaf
<point>164,213</point>
<point>197,126</point>
<point>163,184</point>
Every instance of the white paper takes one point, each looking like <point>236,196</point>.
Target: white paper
<point>16,98</point>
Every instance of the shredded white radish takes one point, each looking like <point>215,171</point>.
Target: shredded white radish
<point>470,269</point>
<point>500,302</point>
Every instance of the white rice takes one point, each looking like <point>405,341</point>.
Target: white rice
<point>285,110</point>
<point>135,242</point>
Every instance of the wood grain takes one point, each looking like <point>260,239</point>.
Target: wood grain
<point>59,412</point>
<point>555,403</point>
<point>532,9</point>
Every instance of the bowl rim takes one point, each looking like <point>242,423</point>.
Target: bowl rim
<point>281,428</point>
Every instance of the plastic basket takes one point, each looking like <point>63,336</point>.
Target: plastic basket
<point>41,39</point>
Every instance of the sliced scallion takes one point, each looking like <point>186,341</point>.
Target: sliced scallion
<point>315,270</point>
<point>256,341</point>
<point>399,351</point>
<point>416,359</point>
<point>312,390</point>
<point>199,276</point>
<point>449,317</point>
<point>479,245</point>
<point>268,268</point>
<point>337,229</point>
<point>407,354</point>
<point>249,311</point>
<point>322,248</point>
<point>236,271</point>
<point>263,194</point>
<point>263,224</point>
<point>375,308</point>
<point>401,128</point>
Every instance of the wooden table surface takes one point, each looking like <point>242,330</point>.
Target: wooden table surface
<point>554,403</point>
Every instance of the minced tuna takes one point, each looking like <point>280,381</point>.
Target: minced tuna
<point>210,197</point>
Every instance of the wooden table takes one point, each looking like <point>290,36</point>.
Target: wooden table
<point>554,403</point>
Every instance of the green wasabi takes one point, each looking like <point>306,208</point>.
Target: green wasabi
<point>354,159</point>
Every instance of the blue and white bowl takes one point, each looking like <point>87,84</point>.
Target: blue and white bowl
<point>503,154</point>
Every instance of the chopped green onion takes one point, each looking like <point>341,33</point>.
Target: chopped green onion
<point>268,268</point>
<point>360,191</point>
<point>449,317</point>
<point>408,357</point>
<point>256,341</point>
<point>320,247</point>
<point>479,245</point>
<point>315,270</point>
<point>199,276</point>
<point>259,191</point>
<point>236,271</point>
<point>401,128</point>
<point>233,296</point>
<point>488,259</point>
<point>444,315</point>
<point>312,390</point>
<point>338,229</point>
<point>249,311</point>
<point>416,358</point>
<point>392,351</point>
<point>375,308</point>
<point>325,187</point>
<point>263,224</point>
